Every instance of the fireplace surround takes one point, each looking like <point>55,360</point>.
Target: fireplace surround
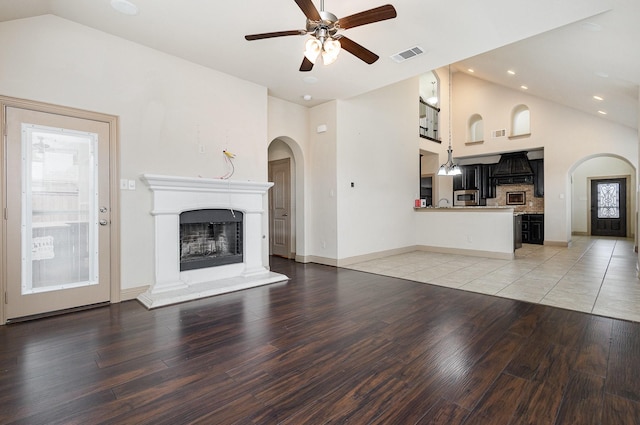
<point>173,196</point>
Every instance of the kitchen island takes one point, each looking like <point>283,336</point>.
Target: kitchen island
<point>477,231</point>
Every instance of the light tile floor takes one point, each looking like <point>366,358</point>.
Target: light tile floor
<point>593,275</point>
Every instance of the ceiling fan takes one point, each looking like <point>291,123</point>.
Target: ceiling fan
<point>325,42</point>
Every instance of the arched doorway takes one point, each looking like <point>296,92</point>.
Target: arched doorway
<point>286,206</point>
<point>597,170</point>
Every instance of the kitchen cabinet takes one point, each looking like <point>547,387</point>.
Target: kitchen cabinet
<point>533,228</point>
<point>487,183</point>
<point>538,177</point>
<point>482,177</point>
<point>469,179</point>
<point>476,177</point>
<point>517,231</point>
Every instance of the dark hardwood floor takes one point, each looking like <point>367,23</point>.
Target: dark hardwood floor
<point>330,346</point>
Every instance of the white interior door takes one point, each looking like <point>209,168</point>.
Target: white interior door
<point>57,212</point>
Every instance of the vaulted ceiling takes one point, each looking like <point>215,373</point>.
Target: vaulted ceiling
<point>566,51</point>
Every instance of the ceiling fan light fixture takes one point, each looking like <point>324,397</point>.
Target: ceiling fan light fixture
<point>312,49</point>
<point>323,27</point>
<point>330,51</point>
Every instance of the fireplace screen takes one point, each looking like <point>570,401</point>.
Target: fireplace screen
<point>210,238</point>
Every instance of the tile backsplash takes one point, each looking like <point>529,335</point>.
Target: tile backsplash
<point>531,203</point>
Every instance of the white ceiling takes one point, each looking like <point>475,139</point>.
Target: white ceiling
<point>560,49</point>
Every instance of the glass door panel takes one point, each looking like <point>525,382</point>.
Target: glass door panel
<point>608,200</point>
<point>59,211</point>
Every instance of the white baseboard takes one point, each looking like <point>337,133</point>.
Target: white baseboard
<point>132,293</point>
<point>469,252</point>
<point>562,244</point>
<point>316,259</point>
<point>343,262</point>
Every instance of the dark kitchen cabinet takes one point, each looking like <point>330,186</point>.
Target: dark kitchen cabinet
<point>533,229</point>
<point>476,177</point>
<point>472,176</point>
<point>487,183</point>
<point>517,231</point>
<point>538,177</point>
<point>458,181</point>
<point>469,179</point>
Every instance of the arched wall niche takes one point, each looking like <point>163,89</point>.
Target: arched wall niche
<point>475,129</point>
<point>520,120</point>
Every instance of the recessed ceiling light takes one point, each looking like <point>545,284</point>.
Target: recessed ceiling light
<point>125,6</point>
<point>310,80</point>
<point>471,70</point>
<point>511,72</point>
<point>307,97</point>
<point>602,112</point>
<point>524,87</point>
<point>597,97</point>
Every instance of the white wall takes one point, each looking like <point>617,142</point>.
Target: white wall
<point>289,123</point>
<point>568,136</point>
<point>378,152</point>
<point>322,205</point>
<point>600,167</point>
<point>167,107</point>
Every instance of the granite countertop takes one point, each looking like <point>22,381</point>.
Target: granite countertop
<point>479,207</point>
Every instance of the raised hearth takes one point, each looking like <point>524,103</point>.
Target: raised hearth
<point>174,195</point>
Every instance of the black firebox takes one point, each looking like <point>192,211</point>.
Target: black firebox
<point>210,238</point>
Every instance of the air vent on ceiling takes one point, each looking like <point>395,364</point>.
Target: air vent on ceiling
<point>498,133</point>
<point>407,54</point>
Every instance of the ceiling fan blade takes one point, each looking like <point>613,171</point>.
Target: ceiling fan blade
<point>274,34</point>
<point>306,65</point>
<point>370,16</point>
<point>357,50</point>
<point>309,9</point>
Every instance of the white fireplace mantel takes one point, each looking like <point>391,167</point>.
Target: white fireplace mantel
<point>173,195</point>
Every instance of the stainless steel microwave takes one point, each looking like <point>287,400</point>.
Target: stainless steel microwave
<point>466,198</point>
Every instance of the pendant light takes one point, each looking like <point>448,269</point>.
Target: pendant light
<point>449,168</point>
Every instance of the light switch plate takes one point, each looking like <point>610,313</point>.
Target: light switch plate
<point>132,185</point>
<point>124,184</point>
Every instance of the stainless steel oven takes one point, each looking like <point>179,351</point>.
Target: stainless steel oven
<point>466,198</point>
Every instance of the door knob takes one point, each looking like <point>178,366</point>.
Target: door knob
<point>103,222</point>
<point>285,215</point>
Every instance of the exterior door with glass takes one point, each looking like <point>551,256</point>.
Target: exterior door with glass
<point>609,207</point>
<point>57,214</point>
